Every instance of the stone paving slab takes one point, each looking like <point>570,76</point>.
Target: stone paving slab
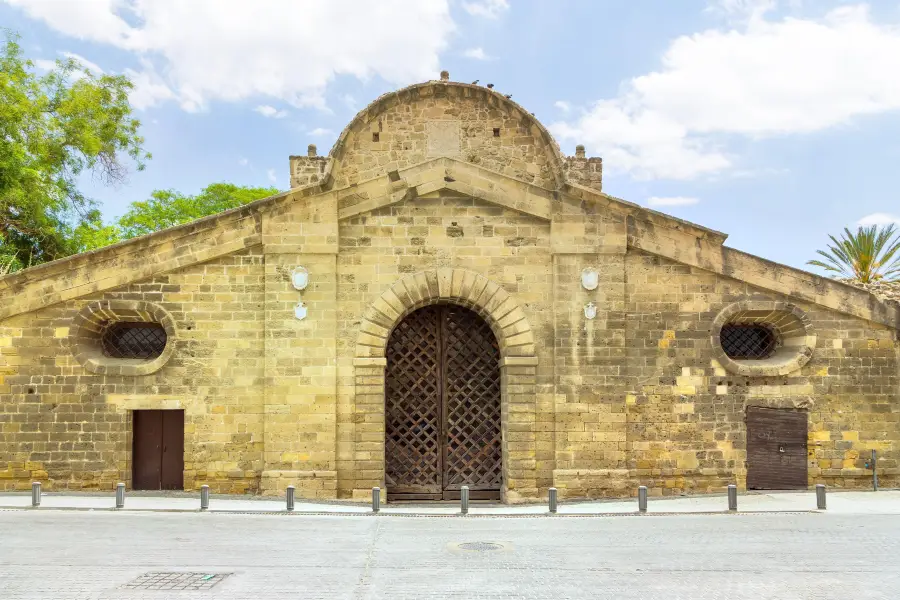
<point>79,555</point>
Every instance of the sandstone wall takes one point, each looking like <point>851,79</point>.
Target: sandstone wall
<point>685,413</point>
<point>72,429</point>
<point>458,182</point>
<point>378,248</point>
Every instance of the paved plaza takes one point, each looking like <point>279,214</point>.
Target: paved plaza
<point>49,553</point>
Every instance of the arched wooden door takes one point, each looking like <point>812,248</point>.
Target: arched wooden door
<point>442,406</point>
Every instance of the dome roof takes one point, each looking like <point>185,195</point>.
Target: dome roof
<point>465,90</point>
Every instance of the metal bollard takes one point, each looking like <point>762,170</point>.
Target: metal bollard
<point>204,497</point>
<point>464,500</point>
<point>376,499</point>
<point>874,471</point>
<point>36,493</point>
<point>290,498</point>
<point>732,497</point>
<point>553,500</point>
<point>120,495</point>
<point>820,496</point>
<point>642,499</point>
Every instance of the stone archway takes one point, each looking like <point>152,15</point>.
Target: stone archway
<point>518,365</point>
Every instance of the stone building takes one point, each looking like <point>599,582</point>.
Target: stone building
<point>443,300</point>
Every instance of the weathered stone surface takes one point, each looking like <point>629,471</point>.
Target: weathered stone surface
<point>460,197</point>
<point>886,290</point>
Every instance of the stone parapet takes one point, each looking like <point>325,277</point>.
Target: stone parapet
<point>307,170</point>
<point>584,171</point>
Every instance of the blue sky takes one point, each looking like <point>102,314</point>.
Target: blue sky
<point>775,121</point>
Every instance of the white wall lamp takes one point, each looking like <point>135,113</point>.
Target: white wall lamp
<point>300,311</point>
<point>590,279</point>
<point>590,311</point>
<point>300,278</point>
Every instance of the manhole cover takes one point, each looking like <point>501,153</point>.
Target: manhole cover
<point>175,581</point>
<point>480,546</point>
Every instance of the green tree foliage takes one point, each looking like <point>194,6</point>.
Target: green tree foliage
<point>871,254</point>
<point>53,127</point>
<point>167,208</point>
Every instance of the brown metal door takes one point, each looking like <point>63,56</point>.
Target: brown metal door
<point>172,476</point>
<point>158,450</point>
<point>146,459</point>
<point>442,406</point>
<point>776,449</point>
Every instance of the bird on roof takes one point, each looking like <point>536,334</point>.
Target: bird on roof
<point>508,96</point>
<point>475,82</point>
<point>490,86</point>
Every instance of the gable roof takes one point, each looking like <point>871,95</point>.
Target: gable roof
<point>228,232</point>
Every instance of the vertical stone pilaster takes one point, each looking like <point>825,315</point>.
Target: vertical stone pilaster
<point>590,428</point>
<point>369,429</point>
<point>518,376</point>
<point>300,378</point>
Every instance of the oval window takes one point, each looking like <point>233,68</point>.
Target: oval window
<point>748,342</point>
<point>135,340</point>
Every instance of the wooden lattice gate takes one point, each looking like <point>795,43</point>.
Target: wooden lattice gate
<point>442,413</point>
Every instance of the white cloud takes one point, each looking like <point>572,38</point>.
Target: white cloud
<point>742,9</point>
<point>270,111</point>
<point>563,105</point>
<point>349,101</point>
<point>243,161</point>
<point>90,66</point>
<point>879,219</point>
<point>672,201</point>
<point>766,78</point>
<point>149,88</point>
<point>270,173</point>
<point>476,53</point>
<point>225,50</point>
<point>490,9</point>
<point>44,64</point>
<point>321,132</point>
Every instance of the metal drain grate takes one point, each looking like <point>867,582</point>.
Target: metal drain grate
<point>480,546</point>
<point>175,581</point>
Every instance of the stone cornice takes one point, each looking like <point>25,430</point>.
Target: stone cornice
<point>765,274</point>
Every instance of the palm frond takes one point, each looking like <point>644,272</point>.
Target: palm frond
<point>867,255</point>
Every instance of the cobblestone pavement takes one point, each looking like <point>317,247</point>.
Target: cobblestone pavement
<point>79,554</point>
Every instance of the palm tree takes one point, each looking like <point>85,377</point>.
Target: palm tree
<point>871,254</point>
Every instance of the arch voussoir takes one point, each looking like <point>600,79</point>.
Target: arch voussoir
<point>515,338</point>
<point>395,302</point>
<point>502,311</point>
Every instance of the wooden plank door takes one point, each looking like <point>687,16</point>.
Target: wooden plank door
<point>158,450</point>
<point>146,458</point>
<point>777,449</point>
<point>172,476</point>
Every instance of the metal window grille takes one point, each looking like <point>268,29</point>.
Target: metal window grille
<point>753,342</point>
<point>133,340</point>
